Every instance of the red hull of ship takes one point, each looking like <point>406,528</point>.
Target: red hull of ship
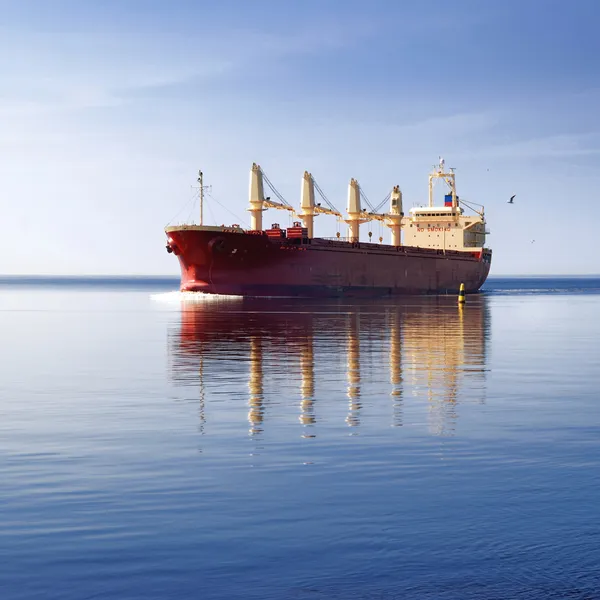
<point>252,264</point>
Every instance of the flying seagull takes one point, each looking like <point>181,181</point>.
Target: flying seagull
<point>511,199</point>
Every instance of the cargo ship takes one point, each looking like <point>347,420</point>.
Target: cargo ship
<point>433,249</point>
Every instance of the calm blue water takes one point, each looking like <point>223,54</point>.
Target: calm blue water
<point>155,446</point>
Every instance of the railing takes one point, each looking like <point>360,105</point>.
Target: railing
<point>466,254</point>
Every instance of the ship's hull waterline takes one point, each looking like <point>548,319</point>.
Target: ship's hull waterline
<point>221,261</point>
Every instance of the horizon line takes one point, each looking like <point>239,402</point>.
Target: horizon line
<point>177,276</point>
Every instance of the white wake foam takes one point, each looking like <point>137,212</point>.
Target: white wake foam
<point>176,297</point>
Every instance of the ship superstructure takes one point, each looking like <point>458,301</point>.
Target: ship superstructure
<point>447,226</point>
<point>433,248</point>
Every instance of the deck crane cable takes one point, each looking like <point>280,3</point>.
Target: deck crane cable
<point>479,212</point>
<point>240,219</point>
<point>383,203</point>
<point>322,194</point>
<point>364,197</point>
<point>192,211</point>
<point>212,216</point>
<point>274,190</point>
<point>191,199</point>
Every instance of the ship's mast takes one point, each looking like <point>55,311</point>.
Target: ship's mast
<point>200,177</point>
<point>440,173</point>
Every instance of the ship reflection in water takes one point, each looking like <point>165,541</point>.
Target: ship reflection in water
<point>332,363</point>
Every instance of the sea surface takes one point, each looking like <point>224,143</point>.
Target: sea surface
<point>161,445</point>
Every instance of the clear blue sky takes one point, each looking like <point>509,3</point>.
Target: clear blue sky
<point>108,109</point>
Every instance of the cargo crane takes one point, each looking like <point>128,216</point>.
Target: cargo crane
<point>392,219</point>
<point>309,208</point>
<point>258,202</point>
